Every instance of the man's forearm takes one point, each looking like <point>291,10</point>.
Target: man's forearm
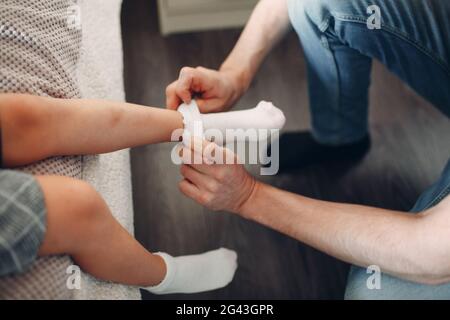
<point>35,127</point>
<point>400,244</point>
<point>268,23</point>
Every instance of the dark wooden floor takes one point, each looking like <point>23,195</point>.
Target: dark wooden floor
<point>410,149</point>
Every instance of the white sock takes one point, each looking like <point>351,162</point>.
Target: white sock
<point>193,124</point>
<point>197,273</point>
<point>264,116</point>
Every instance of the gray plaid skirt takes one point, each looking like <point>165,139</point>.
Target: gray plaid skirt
<point>22,221</point>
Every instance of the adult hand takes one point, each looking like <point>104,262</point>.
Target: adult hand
<point>215,91</point>
<point>218,186</point>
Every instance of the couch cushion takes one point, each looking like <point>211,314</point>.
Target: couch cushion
<point>100,75</point>
<point>96,72</point>
<point>39,53</point>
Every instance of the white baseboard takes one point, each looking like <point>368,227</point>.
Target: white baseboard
<point>177,16</point>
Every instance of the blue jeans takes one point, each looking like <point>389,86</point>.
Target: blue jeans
<point>414,43</point>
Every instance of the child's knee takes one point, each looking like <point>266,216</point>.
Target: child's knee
<point>89,205</point>
<point>75,210</point>
<point>90,217</point>
<point>75,203</point>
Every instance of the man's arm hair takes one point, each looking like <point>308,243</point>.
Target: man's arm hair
<point>415,247</point>
<point>267,25</point>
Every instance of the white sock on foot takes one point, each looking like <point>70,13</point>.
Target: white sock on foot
<point>193,124</point>
<point>197,273</point>
<point>264,116</point>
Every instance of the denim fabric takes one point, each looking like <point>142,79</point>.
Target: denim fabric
<point>394,288</point>
<point>413,42</point>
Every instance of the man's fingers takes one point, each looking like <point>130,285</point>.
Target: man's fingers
<point>209,105</point>
<point>207,152</point>
<point>185,84</point>
<point>198,179</point>
<point>197,144</point>
<point>193,80</point>
<point>196,161</point>
<point>181,90</point>
<point>172,100</point>
<point>199,149</point>
<point>190,190</point>
<point>199,82</point>
<point>213,152</point>
<point>190,156</point>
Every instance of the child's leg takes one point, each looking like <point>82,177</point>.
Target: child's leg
<point>80,224</point>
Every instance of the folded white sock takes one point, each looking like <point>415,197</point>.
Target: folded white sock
<point>264,116</point>
<point>197,273</point>
<point>213,126</point>
<point>193,124</point>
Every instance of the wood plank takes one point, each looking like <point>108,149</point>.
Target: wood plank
<point>408,153</point>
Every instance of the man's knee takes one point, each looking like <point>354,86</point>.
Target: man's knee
<point>315,12</point>
<point>338,6</point>
<point>320,11</point>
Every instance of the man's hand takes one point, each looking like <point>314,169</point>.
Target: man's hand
<point>216,186</point>
<point>215,91</point>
